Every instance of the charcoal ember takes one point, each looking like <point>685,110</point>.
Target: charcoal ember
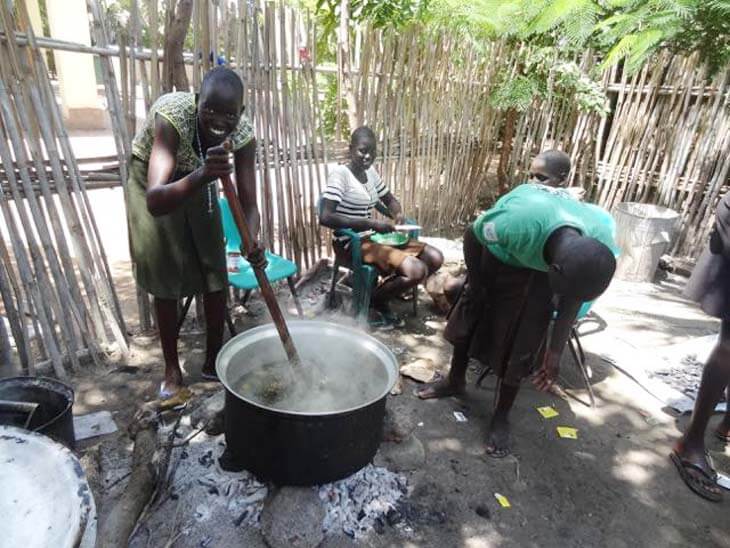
<point>393,517</point>
<point>208,409</point>
<point>355,504</point>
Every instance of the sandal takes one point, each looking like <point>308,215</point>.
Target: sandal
<point>174,399</point>
<point>701,480</point>
<point>376,320</point>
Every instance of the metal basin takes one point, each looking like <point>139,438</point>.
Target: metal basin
<point>291,447</point>
<point>53,402</point>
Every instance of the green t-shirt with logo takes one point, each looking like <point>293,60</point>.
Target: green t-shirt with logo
<point>516,228</point>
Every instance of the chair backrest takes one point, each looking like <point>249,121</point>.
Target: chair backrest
<point>230,230</point>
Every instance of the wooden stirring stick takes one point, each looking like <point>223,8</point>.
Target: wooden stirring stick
<point>264,285</point>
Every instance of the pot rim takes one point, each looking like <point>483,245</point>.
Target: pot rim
<point>390,362</point>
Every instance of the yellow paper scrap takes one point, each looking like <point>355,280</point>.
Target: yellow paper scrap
<point>547,412</point>
<point>568,432</point>
<point>503,502</point>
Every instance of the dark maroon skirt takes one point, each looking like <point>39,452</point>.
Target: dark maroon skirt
<point>502,313</point>
<point>709,285</point>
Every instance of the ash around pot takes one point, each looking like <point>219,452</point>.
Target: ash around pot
<point>38,404</point>
<point>322,440</point>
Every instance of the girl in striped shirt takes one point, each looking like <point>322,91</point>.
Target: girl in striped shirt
<point>353,190</point>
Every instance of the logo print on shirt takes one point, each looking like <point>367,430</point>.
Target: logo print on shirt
<point>489,231</point>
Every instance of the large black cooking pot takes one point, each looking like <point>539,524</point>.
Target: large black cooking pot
<point>38,404</point>
<point>303,448</point>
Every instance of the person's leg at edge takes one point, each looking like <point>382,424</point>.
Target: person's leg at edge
<point>498,431</point>
<point>214,304</point>
<point>455,383</point>
<point>166,312</point>
<point>410,273</point>
<point>715,378</point>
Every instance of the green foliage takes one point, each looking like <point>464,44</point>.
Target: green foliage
<point>379,13</point>
<point>543,73</point>
<point>330,109</point>
<point>631,31</point>
<point>516,92</point>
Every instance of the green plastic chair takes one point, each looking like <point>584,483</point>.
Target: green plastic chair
<point>278,268</point>
<point>364,276</point>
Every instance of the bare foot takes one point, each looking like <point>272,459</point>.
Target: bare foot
<point>172,384</point>
<point>498,438</point>
<point>441,389</point>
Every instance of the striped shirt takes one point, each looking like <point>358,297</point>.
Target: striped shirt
<point>354,198</point>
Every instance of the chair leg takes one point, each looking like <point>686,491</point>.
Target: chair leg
<point>576,338</point>
<point>579,359</point>
<point>229,322</point>
<point>184,312</point>
<point>246,295</point>
<point>293,290</point>
<point>331,298</point>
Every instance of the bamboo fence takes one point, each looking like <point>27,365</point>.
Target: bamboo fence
<point>427,96</point>
<point>67,301</point>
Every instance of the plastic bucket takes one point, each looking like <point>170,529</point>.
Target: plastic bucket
<point>644,233</point>
<point>45,499</point>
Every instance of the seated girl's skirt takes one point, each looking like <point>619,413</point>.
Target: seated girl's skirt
<point>178,254</point>
<point>385,258</point>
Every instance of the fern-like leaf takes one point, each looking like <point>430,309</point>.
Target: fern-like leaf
<point>557,12</point>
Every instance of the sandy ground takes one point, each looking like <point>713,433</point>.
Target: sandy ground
<point>613,486</point>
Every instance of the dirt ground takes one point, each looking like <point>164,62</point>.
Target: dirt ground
<point>613,486</point>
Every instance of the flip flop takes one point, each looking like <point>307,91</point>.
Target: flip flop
<point>378,321</point>
<point>697,483</point>
<point>170,399</point>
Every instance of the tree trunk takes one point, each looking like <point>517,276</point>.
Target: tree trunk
<point>174,74</point>
<point>510,121</point>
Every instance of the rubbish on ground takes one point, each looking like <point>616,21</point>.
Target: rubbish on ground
<point>567,432</point>
<point>502,500</point>
<point>421,370</point>
<point>650,420</point>
<point>460,417</point>
<point>547,412</point>
<point>94,424</point>
<point>723,481</point>
<point>420,424</point>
